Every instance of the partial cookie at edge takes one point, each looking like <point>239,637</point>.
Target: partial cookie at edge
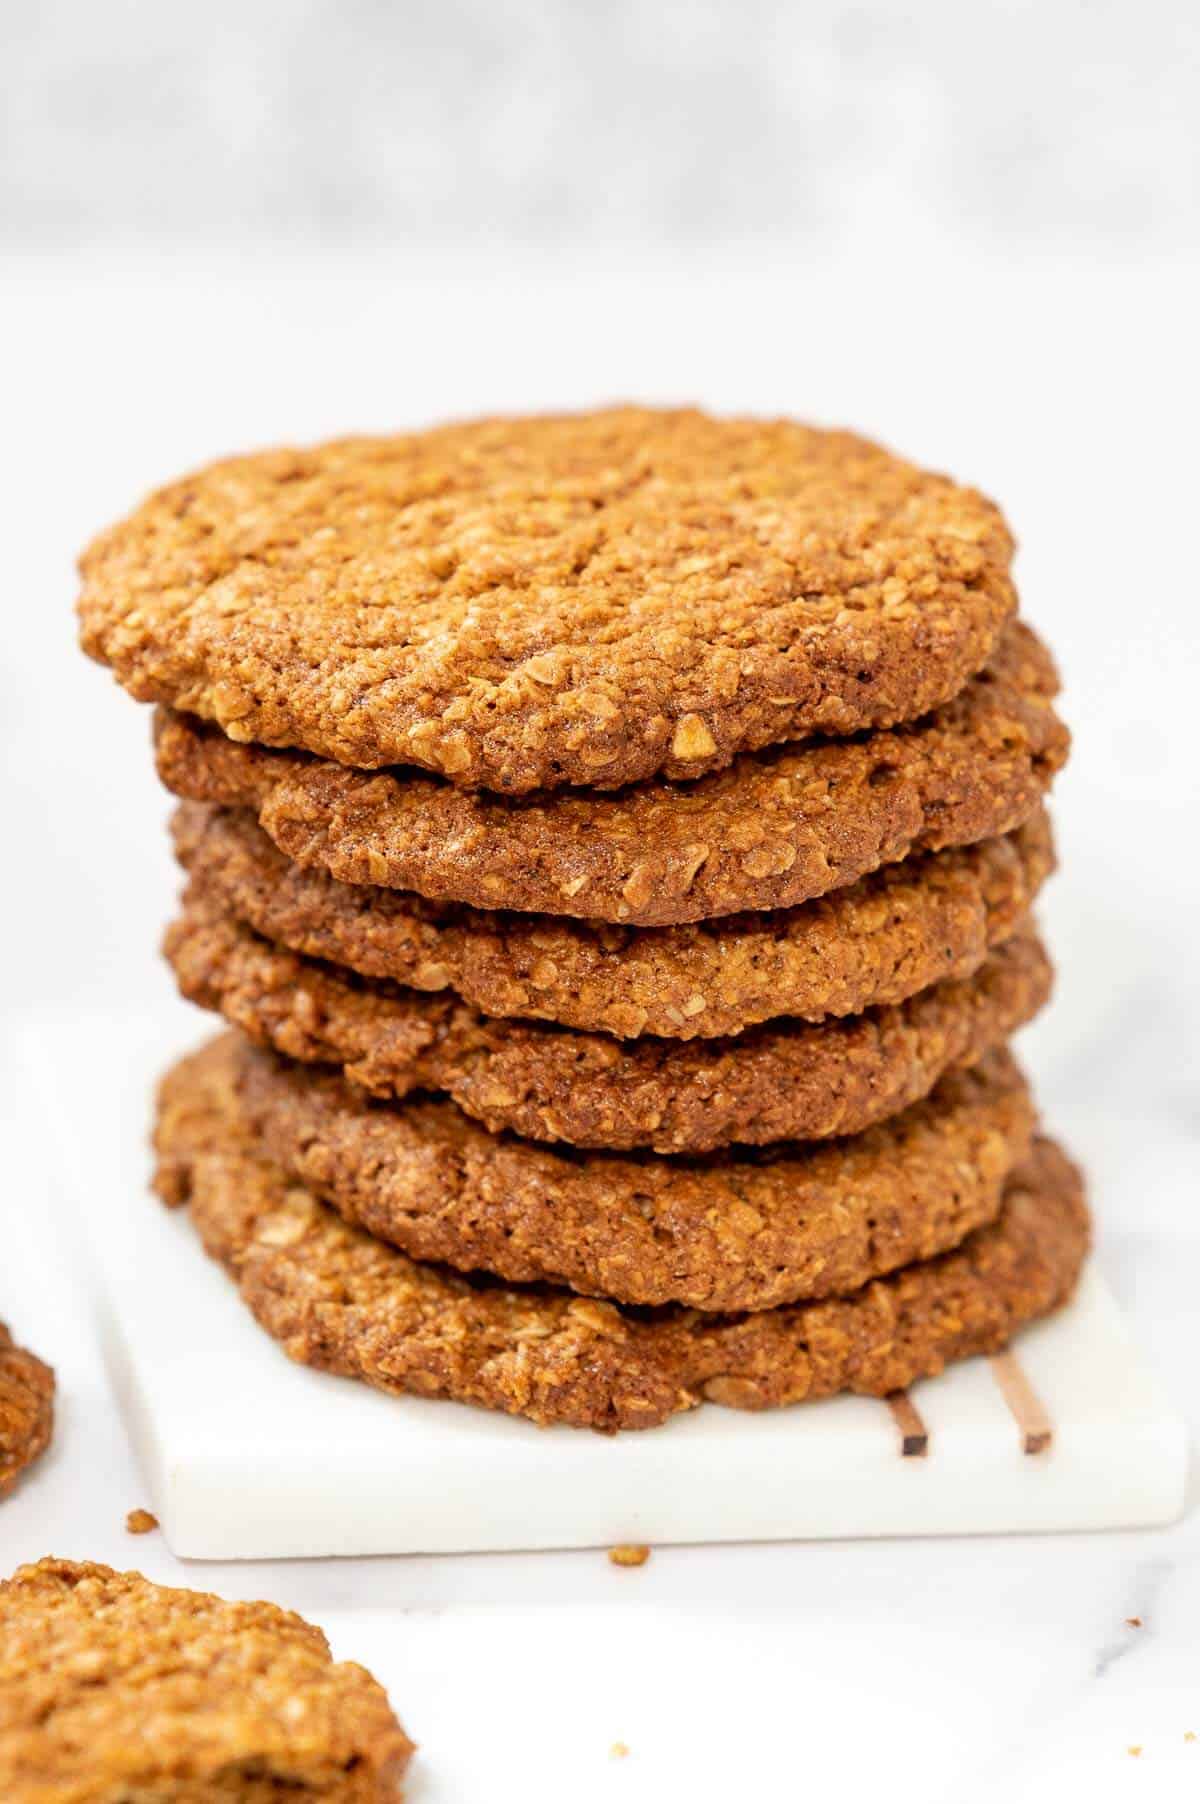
<point>114,1687</point>
<point>26,1409</point>
<point>881,940</point>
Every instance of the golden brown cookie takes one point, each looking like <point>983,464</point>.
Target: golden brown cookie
<point>745,1229</point>
<point>878,941</point>
<point>341,1300</point>
<point>520,604</point>
<point>788,1081</point>
<point>114,1690</point>
<point>774,830</point>
<point>26,1409</point>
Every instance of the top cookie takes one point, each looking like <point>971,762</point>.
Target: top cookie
<point>521,604</point>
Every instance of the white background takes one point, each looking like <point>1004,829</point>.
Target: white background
<point>1020,122</point>
<point>969,231</point>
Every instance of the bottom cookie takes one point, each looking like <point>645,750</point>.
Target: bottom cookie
<point>26,1409</point>
<point>113,1688</point>
<point>336,1298</point>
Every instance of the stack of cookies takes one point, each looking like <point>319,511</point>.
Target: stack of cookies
<point>612,842</point>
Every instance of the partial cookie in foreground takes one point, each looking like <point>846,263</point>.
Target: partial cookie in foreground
<point>876,942</point>
<point>746,1229</point>
<point>774,830</point>
<point>338,1299</point>
<point>26,1409</point>
<point>113,1689</point>
<point>787,1081</point>
<point>524,603</point>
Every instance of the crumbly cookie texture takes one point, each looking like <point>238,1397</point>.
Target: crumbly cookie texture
<point>114,1690</point>
<point>337,1298</point>
<point>788,1081</point>
<point>746,1229</point>
<point>878,941</point>
<point>26,1409</point>
<point>519,604</point>
<point>772,831</point>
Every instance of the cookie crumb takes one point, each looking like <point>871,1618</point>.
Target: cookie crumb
<point>628,1555</point>
<point>1135,1750</point>
<point>1133,1622</point>
<point>140,1522</point>
<point>1189,1735</point>
<point>618,1751</point>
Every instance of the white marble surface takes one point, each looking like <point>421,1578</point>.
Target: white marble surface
<point>999,1667</point>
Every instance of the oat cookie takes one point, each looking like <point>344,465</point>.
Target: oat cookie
<point>26,1409</point>
<point>338,1299</point>
<point>788,1081</point>
<point>774,830</point>
<point>114,1690</point>
<point>745,1229</point>
<point>520,604</point>
<point>878,941</point>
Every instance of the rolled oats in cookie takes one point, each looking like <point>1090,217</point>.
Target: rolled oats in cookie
<point>743,1229</point>
<point>878,941</point>
<point>26,1409</point>
<point>774,830</point>
<point>788,1081</point>
<point>113,1688</point>
<point>524,603</point>
<point>337,1298</point>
